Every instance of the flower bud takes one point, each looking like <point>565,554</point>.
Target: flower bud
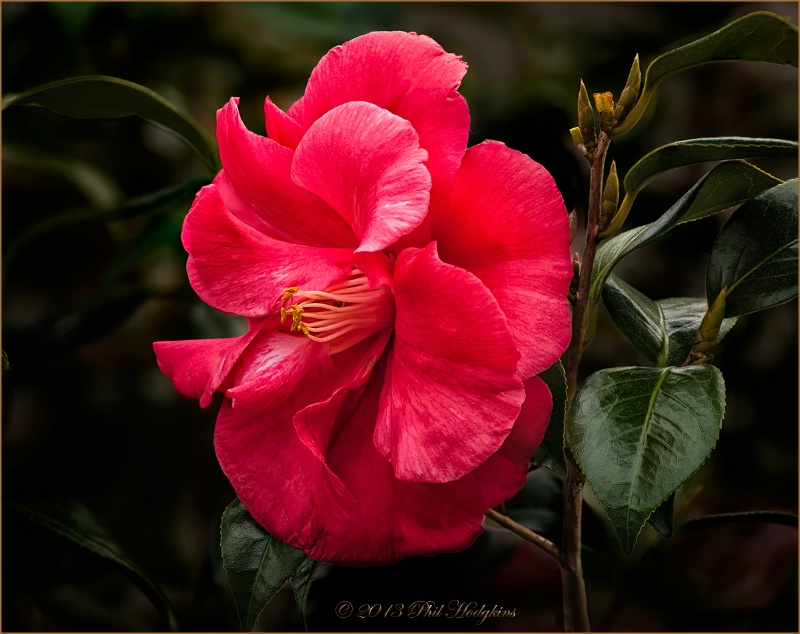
<point>708,331</point>
<point>603,100</point>
<point>608,207</point>
<point>586,121</point>
<point>629,94</point>
<point>605,105</point>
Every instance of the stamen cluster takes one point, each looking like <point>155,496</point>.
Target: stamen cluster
<point>343,314</point>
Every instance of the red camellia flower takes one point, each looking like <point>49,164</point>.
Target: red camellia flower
<point>402,293</point>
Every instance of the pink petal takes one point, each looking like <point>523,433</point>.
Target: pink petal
<point>270,373</point>
<point>399,519</point>
<point>507,224</point>
<point>352,369</point>
<point>286,488</point>
<point>407,74</point>
<point>238,270</point>
<point>257,169</point>
<point>451,394</point>
<point>366,163</point>
<point>198,368</point>
<point>280,126</point>
<point>272,437</point>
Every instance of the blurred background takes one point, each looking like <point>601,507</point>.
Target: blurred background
<point>93,431</point>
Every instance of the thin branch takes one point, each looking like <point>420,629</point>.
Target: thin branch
<point>576,613</point>
<point>527,534</point>
<point>576,616</point>
<point>575,350</point>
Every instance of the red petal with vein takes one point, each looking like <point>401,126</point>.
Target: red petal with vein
<point>286,488</point>
<point>198,368</point>
<point>238,270</point>
<point>280,126</point>
<point>451,394</point>
<point>275,458</point>
<point>366,163</point>
<point>407,74</point>
<point>258,169</point>
<point>507,224</point>
<point>399,519</point>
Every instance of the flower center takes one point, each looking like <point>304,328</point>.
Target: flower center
<point>343,314</point>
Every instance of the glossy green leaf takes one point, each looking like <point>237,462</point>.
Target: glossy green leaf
<point>682,316</point>
<point>664,330</point>
<point>693,151</point>
<point>76,522</point>
<point>301,584</point>
<point>102,97</point>
<point>639,433</point>
<point>663,518</point>
<point>728,184</point>
<point>638,317</point>
<point>551,452</point>
<point>256,564</point>
<point>755,255</point>
<point>757,37</point>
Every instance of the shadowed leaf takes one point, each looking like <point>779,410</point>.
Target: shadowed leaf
<point>639,433</point>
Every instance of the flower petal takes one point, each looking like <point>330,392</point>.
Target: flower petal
<point>238,270</point>
<point>286,488</point>
<point>276,459</point>
<point>451,393</point>
<point>352,369</point>
<point>366,163</point>
<point>281,128</point>
<point>407,74</point>
<point>198,368</point>
<point>507,224</point>
<point>258,170</point>
<point>399,519</point>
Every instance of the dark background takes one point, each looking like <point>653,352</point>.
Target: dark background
<point>88,417</point>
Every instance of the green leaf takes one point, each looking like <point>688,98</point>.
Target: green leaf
<point>639,433</point>
<point>551,451</point>
<point>755,255</point>
<point>756,37</point>
<point>683,316</point>
<point>663,518</point>
<point>256,564</point>
<point>102,97</point>
<point>662,331</point>
<point>75,522</point>
<point>638,318</point>
<point>693,151</point>
<point>301,584</point>
<point>728,184</point>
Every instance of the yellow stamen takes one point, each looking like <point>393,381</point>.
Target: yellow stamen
<point>343,314</point>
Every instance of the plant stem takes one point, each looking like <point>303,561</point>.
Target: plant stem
<point>575,350</point>
<point>576,617</point>
<point>526,534</point>
<point>573,588</point>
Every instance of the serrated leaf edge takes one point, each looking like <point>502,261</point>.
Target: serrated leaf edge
<point>242,624</point>
<point>635,539</point>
